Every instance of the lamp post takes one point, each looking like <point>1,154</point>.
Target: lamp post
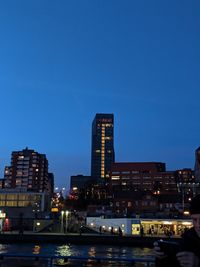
<point>62,213</point>
<point>66,220</point>
<point>183,198</point>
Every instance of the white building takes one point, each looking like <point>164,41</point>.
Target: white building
<point>125,224</point>
<point>140,226</point>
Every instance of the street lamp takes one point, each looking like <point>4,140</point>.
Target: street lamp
<point>66,220</point>
<point>62,213</point>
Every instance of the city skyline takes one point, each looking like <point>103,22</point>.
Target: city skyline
<point>60,186</point>
<point>61,63</point>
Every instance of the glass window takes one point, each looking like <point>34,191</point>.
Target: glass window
<point>11,196</point>
<point>11,203</point>
<point>2,203</point>
<point>2,197</point>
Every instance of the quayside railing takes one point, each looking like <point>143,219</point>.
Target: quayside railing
<point>51,259</point>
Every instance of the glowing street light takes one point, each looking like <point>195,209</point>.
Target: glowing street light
<point>62,213</point>
<point>66,220</point>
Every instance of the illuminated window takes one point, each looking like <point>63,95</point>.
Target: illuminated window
<point>11,196</point>
<point>23,203</point>
<point>18,182</point>
<point>11,203</point>
<point>2,203</point>
<point>115,177</point>
<point>129,204</point>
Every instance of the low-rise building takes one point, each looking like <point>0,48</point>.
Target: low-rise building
<point>21,205</point>
<point>140,226</point>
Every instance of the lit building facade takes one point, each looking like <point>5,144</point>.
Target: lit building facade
<point>28,170</point>
<point>134,187</point>
<point>22,207</point>
<point>142,176</point>
<point>132,226</point>
<point>35,202</point>
<point>102,145</point>
<point>187,184</point>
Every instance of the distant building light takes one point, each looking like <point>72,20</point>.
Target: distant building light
<point>2,215</point>
<point>167,222</point>
<point>115,178</point>
<point>38,223</point>
<point>186,223</point>
<point>186,212</point>
<point>54,210</point>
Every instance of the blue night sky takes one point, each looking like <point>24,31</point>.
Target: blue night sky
<point>63,61</point>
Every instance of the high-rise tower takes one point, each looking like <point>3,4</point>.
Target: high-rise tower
<point>102,145</point>
<point>197,164</point>
<point>28,170</point>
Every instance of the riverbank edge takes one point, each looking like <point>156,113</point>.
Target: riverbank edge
<point>84,239</point>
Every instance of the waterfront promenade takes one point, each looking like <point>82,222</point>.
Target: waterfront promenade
<point>80,239</point>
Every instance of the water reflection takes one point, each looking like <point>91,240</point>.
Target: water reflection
<point>100,251</point>
<point>81,250</point>
<point>36,249</point>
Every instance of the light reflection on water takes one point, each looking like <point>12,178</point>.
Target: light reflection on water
<point>69,250</point>
<point>104,251</point>
<point>80,250</point>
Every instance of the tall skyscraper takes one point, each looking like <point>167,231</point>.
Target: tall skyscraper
<point>28,170</point>
<point>102,145</point>
<point>197,165</point>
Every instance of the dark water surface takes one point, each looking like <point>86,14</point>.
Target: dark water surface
<point>80,250</point>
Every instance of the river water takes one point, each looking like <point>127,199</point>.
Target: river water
<point>80,250</point>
